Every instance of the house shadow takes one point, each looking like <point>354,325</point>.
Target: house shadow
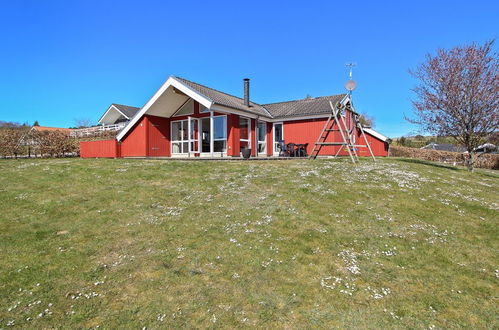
<point>429,163</point>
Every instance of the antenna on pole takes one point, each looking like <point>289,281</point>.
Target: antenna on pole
<point>350,84</point>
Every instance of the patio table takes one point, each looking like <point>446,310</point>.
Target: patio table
<point>297,149</point>
<point>301,149</point>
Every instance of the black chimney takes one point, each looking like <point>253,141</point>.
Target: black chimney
<point>246,92</point>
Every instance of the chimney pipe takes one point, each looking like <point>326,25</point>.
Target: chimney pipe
<point>246,92</point>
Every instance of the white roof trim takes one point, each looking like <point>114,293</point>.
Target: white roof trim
<point>171,81</point>
<point>345,100</point>
<point>108,109</point>
<point>376,134</point>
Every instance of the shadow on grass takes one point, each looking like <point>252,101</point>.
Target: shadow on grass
<point>430,163</point>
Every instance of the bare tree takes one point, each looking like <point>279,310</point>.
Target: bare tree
<point>9,124</point>
<point>83,122</point>
<point>367,120</point>
<point>457,95</point>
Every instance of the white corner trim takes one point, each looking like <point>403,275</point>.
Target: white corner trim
<point>377,135</point>
<point>171,81</point>
<point>345,100</point>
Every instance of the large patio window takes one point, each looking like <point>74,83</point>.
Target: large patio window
<point>262,137</point>
<point>245,132</point>
<point>179,137</point>
<point>220,134</point>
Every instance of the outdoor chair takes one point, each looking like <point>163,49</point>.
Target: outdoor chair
<point>291,149</point>
<point>283,152</point>
<point>302,152</point>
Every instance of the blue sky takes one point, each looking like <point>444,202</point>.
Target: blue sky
<point>61,60</point>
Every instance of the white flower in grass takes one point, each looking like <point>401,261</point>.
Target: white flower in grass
<point>330,282</point>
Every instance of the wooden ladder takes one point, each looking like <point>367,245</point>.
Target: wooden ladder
<point>329,127</point>
<point>346,135</point>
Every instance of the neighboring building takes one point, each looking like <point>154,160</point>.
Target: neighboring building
<point>186,119</point>
<point>118,113</point>
<point>115,118</point>
<point>444,147</point>
<point>487,148</point>
<point>27,139</point>
<point>51,129</point>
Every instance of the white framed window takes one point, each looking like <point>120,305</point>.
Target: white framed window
<point>278,135</point>
<point>245,132</point>
<point>220,134</point>
<point>261,136</point>
<point>179,137</point>
<point>213,132</point>
<point>186,109</point>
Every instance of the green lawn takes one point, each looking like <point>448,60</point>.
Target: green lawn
<point>288,244</point>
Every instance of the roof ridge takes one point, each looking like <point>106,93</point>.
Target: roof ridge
<point>313,98</point>
<point>215,89</point>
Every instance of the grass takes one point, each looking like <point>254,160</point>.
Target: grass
<point>288,244</point>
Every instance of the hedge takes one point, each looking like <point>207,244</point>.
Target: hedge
<point>489,161</point>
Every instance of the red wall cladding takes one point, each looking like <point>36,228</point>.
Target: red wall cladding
<point>134,143</point>
<point>233,135</point>
<point>307,131</point>
<point>149,137</point>
<point>158,137</point>
<point>270,140</point>
<point>103,148</point>
<point>378,147</point>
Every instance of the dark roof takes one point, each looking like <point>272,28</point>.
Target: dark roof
<point>126,109</point>
<point>310,106</point>
<point>296,108</point>
<point>225,99</point>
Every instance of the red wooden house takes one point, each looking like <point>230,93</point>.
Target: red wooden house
<point>186,119</point>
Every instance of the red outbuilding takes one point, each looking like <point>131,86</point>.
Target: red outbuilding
<point>186,119</point>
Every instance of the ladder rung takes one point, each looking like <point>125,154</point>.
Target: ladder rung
<point>331,143</point>
<point>333,130</point>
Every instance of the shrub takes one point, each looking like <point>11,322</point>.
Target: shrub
<point>490,161</point>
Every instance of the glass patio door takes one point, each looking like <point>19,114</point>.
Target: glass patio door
<point>193,127</point>
<point>278,136</point>
<point>205,135</point>
<point>261,135</point>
